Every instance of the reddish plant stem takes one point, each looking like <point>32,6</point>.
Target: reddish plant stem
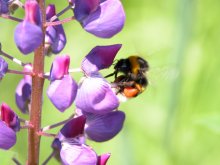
<point>6,16</point>
<point>19,72</point>
<point>36,98</point>
<point>60,22</point>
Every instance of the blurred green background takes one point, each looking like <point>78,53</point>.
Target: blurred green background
<point>177,120</point>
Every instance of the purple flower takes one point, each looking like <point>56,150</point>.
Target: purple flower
<point>101,128</point>
<point>103,18</point>
<point>28,34</point>
<point>72,129</point>
<point>71,145</point>
<point>73,150</point>
<point>23,91</point>
<point>62,92</point>
<point>95,94</point>
<point>9,124</point>
<point>4,6</point>
<point>55,38</point>
<point>3,67</point>
<point>59,67</point>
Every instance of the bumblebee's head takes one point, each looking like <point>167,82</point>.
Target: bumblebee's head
<point>123,66</point>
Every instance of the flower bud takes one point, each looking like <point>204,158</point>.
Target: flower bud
<point>28,34</point>
<point>4,4</point>
<point>9,117</point>
<point>23,91</point>
<point>55,38</point>
<point>102,159</point>
<point>32,12</point>
<point>3,67</point>
<point>59,67</point>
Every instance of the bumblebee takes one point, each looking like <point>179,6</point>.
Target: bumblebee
<point>130,76</point>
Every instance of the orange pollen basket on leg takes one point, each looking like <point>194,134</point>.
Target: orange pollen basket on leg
<point>130,92</point>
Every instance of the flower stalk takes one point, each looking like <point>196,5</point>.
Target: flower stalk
<point>95,117</point>
<point>19,72</point>
<point>19,62</point>
<point>6,16</point>
<point>36,98</point>
<point>60,22</point>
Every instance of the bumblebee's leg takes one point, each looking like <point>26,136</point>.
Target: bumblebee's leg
<point>122,84</point>
<point>114,73</point>
<point>125,84</point>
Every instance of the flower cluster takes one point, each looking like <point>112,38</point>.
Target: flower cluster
<point>96,116</point>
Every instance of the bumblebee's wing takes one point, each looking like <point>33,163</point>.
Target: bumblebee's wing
<point>161,75</point>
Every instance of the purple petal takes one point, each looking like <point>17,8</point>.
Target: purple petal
<point>96,96</point>
<point>56,145</point>
<point>23,94</point>
<point>100,57</point>
<point>32,12</point>
<point>84,7</point>
<point>3,67</point>
<point>55,36</point>
<point>102,159</point>
<point>59,41</point>
<point>101,128</point>
<point>7,136</point>
<point>27,37</point>
<point>9,117</point>
<point>50,37</point>
<point>59,67</point>
<point>78,155</point>
<point>4,6</point>
<point>62,92</point>
<point>50,11</point>
<point>28,68</point>
<point>107,20</point>
<point>73,128</point>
